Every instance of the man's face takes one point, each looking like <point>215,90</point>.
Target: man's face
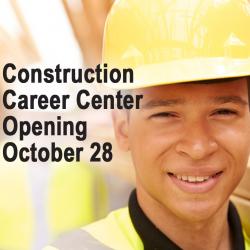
<point>189,143</point>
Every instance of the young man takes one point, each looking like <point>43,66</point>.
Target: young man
<point>190,139</point>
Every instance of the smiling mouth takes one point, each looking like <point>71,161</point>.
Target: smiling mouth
<point>194,179</point>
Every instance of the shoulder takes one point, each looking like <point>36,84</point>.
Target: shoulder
<point>114,221</point>
<point>113,232</point>
<point>116,230</point>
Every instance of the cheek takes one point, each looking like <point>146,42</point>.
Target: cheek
<point>235,141</point>
<point>148,146</point>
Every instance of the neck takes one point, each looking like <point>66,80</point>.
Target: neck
<point>206,234</point>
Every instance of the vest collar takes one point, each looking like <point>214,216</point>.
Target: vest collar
<point>154,239</point>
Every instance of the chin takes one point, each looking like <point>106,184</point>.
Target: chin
<point>197,210</point>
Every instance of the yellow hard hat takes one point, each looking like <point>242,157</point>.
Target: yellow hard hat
<point>172,41</point>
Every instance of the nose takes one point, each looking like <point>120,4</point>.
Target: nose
<point>197,141</point>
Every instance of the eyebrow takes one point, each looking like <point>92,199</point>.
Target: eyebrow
<point>172,102</point>
<point>162,103</point>
<point>230,99</point>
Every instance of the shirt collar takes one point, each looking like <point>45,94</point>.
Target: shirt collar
<point>154,239</point>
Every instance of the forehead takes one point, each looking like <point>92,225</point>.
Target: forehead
<point>198,90</point>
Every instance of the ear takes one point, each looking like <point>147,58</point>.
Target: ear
<point>120,123</point>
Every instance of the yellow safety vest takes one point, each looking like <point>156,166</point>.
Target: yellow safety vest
<point>115,232</point>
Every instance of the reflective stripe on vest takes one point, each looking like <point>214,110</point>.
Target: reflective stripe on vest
<point>78,240</point>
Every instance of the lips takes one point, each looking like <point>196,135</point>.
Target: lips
<point>190,183</point>
<point>193,178</point>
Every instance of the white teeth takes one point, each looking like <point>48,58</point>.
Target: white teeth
<point>202,178</point>
<point>199,178</point>
<point>184,178</point>
<point>192,178</point>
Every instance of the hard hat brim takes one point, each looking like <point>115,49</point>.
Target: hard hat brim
<point>186,70</point>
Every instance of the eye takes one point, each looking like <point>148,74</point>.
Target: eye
<point>164,115</point>
<point>225,112</point>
